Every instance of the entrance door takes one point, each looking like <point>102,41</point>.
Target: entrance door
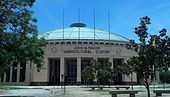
<point>54,72</point>
<point>71,72</point>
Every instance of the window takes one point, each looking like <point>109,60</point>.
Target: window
<point>112,43</point>
<point>121,44</point>
<point>68,42</point>
<point>62,42</point>
<point>56,42</point>
<point>90,42</point>
<point>85,42</point>
<point>73,42</point>
<point>51,42</point>
<point>79,42</point>
<point>117,43</point>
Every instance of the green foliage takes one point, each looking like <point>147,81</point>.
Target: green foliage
<point>165,77</point>
<point>153,55</point>
<point>88,73</point>
<point>18,34</point>
<point>103,72</point>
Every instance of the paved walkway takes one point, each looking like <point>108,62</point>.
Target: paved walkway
<point>73,91</point>
<point>78,91</point>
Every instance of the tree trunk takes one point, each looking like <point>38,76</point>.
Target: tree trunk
<point>98,84</point>
<point>147,88</point>
<point>132,80</point>
<point>87,83</point>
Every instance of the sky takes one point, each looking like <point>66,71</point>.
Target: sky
<point>124,14</point>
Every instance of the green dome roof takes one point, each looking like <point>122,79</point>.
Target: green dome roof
<point>80,31</point>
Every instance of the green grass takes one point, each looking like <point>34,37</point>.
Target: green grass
<point>9,86</point>
<point>164,86</point>
<point>4,86</point>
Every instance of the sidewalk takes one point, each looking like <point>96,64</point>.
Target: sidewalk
<point>78,91</point>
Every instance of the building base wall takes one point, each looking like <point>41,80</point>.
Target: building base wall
<point>78,83</point>
<point>128,83</point>
<point>39,83</point>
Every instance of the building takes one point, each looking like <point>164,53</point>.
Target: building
<point>68,51</point>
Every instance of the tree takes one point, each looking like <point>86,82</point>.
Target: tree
<point>88,74</point>
<point>165,76</point>
<point>19,40</point>
<point>153,55</point>
<point>103,72</point>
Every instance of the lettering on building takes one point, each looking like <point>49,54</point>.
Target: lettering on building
<point>86,50</point>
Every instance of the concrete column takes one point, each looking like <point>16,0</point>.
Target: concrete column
<point>46,67</point>
<point>4,77</point>
<point>78,70</point>
<point>111,61</point>
<point>95,80</point>
<point>62,70</point>
<point>11,70</point>
<point>32,71</point>
<point>157,77</point>
<point>27,73</point>
<point>18,71</point>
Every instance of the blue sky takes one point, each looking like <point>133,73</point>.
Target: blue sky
<point>124,14</point>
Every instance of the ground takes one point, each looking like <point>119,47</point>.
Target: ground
<point>78,91</point>
<point>75,91</point>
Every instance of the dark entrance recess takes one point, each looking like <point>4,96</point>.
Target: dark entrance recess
<point>2,77</point>
<point>8,76</point>
<point>54,71</point>
<point>71,71</point>
<point>14,72</point>
<point>22,72</point>
<point>116,63</point>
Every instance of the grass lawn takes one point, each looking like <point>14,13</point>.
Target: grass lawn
<point>10,86</point>
<point>164,86</point>
<point>4,86</point>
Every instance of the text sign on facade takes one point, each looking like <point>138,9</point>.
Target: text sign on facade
<point>86,50</point>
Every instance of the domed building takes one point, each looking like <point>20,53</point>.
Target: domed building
<point>69,50</point>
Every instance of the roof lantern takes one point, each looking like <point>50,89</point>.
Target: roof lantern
<point>78,25</point>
